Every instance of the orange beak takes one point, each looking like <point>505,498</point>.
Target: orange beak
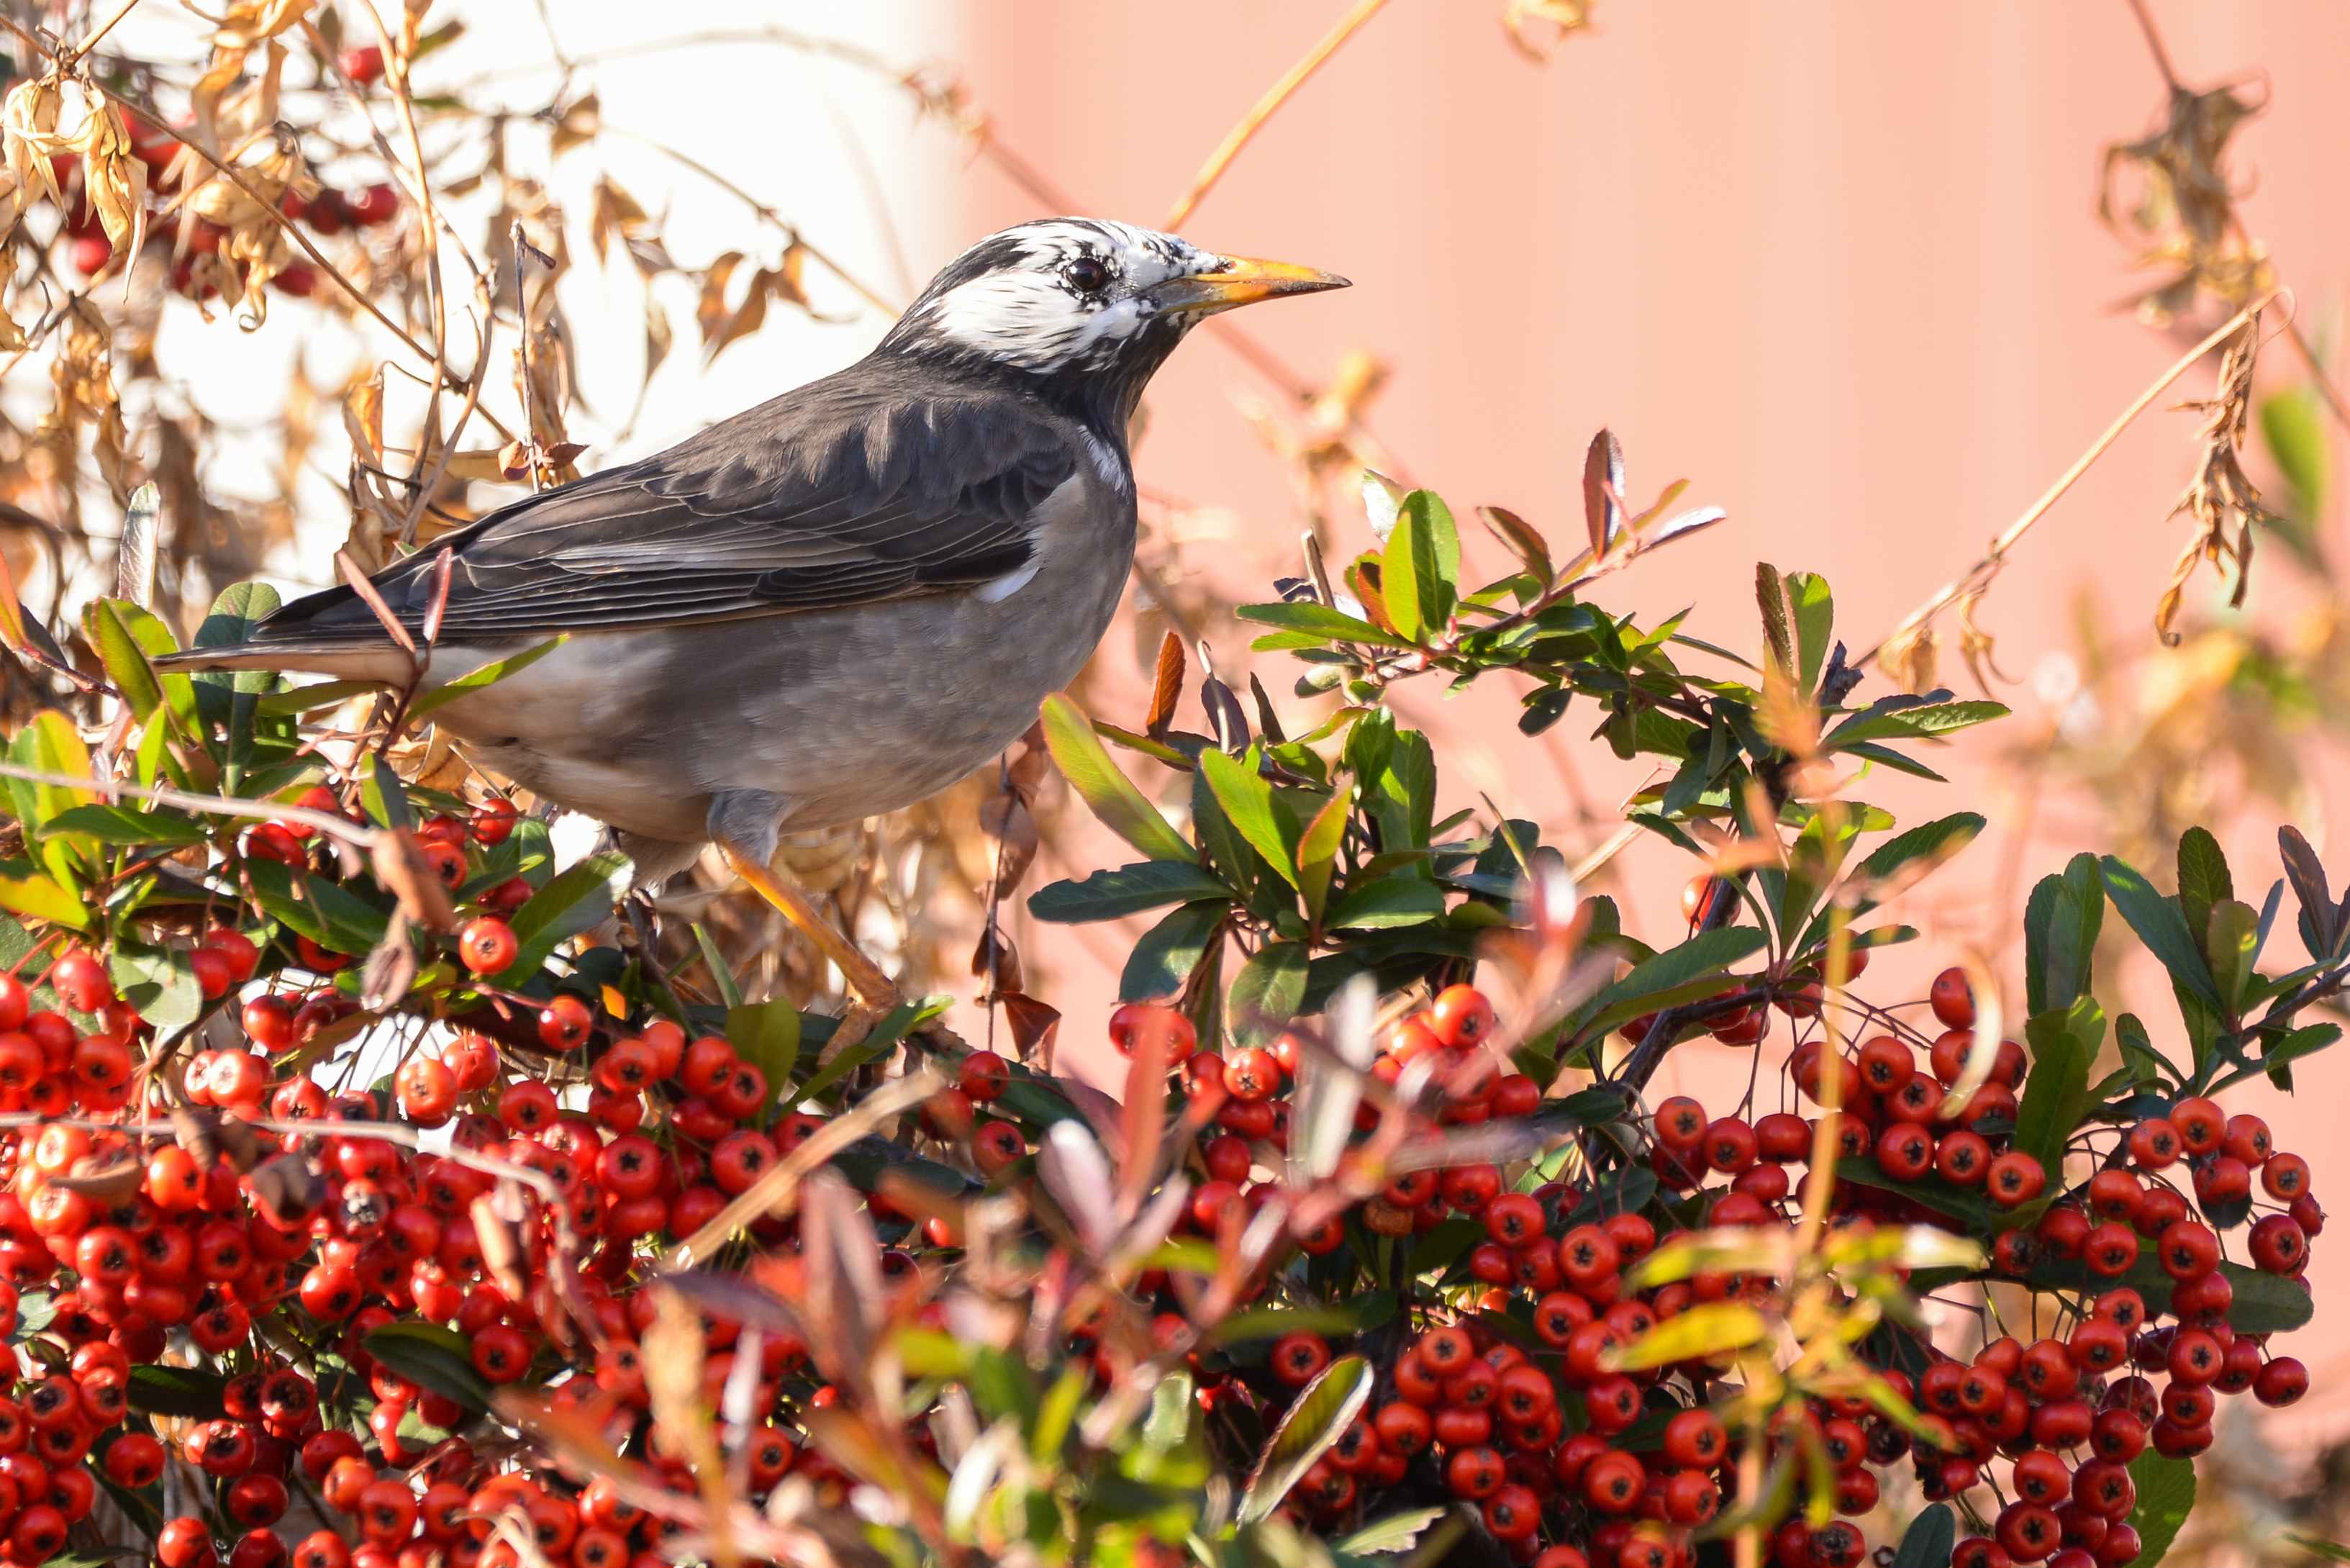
<point>1241,280</point>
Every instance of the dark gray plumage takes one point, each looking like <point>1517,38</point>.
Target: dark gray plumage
<point>832,604</point>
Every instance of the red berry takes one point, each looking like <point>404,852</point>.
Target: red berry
<point>487,945</point>
<point>362,65</point>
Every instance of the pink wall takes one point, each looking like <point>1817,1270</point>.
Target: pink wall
<point>1836,265</point>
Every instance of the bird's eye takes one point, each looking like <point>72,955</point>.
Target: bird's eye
<point>1087,274</point>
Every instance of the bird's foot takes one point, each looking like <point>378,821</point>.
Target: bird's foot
<point>872,994</point>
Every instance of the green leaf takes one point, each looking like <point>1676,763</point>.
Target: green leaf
<point>2232,941</point>
<point>2144,1062</point>
<point>2159,925</point>
<point>114,627</point>
<point>1317,850</point>
<point>1693,1334</point>
<point>1162,964</point>
<point>2332,1551</point>
<point>1085,762</point>
<point>487,675</point>
<point>160,983</point>
<point>2307,1040</point>
<point>2292,427</point>
<point>2061,923</point>
<point>28,893</point>
<point>1930,1191</point>
<point>316,908</point>
<point>1421,569</point>
<point>1937,840</point>
<point>127,826</point>
<point>1129,890</point>
<point>1778,636</point>
<point>1255,811</point>
<point>574,902</point>
<point>2203,879</point>
<point>1268,993</point>
<point>1401,897</point>
<point>1676,971</point>
<point>767,1034</point>
<point>2165,1495</point>
<point>1370,1309</point>
<point>159,1390</point>
<point>311,698</point>
<point>384,798</point>
<point>1881,721</point>
<point>1928,1542</point>
<point>1395,1532</point>
<point>1320,621</point>
<point>433,1358</point>
<point>1314,1421</point>
<point>1814,610</point>
<point>227,696</point>
<point>2056,1093</point>
<point>895,1024</point>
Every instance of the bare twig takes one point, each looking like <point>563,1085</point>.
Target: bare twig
<point>75,55</point>
<point>1981,572</point>
<point>1263,110</point>
<point>353,833</point>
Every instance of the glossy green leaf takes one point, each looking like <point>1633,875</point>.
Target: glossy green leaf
<point>1317,850</point>
<point>1814,613</point>
<point>487,675</point>
<point>2203,879</point>
<point>1268,993</point>
<point>2159,925</point>
<point>1883,722</point>
<point>1083,760</point>
<point>158,982</point>
<point>767,1034</point>
<point>1401,897</point>
<point>2056,1091</point>
<point>1313,1421</point>
<point>2061,922</point>
<point>227,696</point>
<point>431,1356</point>
<point>1161,964</point>
<point>1928,1542</point>
<point>1255,810</point>
<point>2230,944</point>
<point>2166,1496</point>
<point>129,826</point>
<point>1111,895</point>
<point>1322,622</point>
<point>1367,1309</point>
<point>577,902</point>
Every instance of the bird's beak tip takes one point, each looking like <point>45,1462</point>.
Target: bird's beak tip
<point>1244,280</point>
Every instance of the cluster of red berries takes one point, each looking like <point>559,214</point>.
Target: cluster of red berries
<point>140,1234</point>
<point>1574,1462</point>
<point>192,1206</point>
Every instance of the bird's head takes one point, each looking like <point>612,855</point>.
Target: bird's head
<point>1091,305</point>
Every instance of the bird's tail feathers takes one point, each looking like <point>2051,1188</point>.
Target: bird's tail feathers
<point>341,660</point>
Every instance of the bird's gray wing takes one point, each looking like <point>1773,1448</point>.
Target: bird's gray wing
<point>847,491</point>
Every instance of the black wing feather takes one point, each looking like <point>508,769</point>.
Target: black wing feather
<point>860,487</point>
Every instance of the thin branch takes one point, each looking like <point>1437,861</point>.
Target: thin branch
<point>1950,592</point>
<point>75,56</point>
<point>1263,110</point>
<point>353,833</point>
<point>2154,45</point>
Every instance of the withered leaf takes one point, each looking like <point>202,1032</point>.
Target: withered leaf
<point>1167,687</point>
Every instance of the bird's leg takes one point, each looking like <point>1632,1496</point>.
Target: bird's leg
<point>872,994</point>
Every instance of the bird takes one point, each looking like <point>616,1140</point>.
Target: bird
<point>829,607</point>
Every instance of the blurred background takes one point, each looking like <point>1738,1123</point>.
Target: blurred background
<point>1841,267</point>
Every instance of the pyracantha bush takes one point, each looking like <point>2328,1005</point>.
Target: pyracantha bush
<point>362,1208</point>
